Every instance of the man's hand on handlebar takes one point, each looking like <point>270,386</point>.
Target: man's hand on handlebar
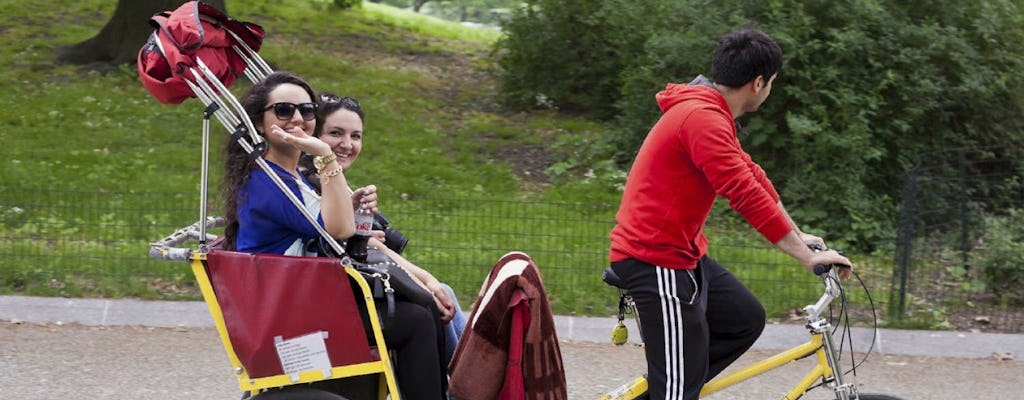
<point>823,256</point>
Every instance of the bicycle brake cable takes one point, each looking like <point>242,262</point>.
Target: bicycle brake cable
<point>843,321</point>
<point>849,333</point>
<point>874,330</point>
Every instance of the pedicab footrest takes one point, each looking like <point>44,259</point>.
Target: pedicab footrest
<point>270,300</point>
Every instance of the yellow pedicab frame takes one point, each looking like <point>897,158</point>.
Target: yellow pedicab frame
<point>223,106</point>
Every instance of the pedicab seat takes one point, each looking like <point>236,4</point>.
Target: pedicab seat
<point>264,297</point>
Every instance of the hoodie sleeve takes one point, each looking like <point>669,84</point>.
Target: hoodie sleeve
<point>733,174</point>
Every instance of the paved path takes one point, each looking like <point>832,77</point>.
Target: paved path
<point>107,312</point>
<point>127,349</point>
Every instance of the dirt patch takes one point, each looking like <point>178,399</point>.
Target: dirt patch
<point>528,161</point>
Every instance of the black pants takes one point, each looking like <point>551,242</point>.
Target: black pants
<point>413,336</point>
<point>694,322</point>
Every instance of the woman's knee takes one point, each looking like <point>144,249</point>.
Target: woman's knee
<point>411,317</point>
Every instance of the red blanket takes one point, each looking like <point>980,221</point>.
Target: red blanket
<point>489,362</point>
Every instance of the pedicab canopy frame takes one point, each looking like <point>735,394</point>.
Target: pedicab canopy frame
<point>198,51</point>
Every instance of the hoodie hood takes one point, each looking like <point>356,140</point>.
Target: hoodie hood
<point>700,88</point>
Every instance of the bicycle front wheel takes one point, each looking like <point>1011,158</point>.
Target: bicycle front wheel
<point>877,396</point>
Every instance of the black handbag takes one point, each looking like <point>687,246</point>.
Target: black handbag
<point>389,282</point>
<point>392,276</point>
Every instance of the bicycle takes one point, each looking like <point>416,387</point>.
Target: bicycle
<point>820,345</point>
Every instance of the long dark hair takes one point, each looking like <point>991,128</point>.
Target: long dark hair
<point>237,164</point>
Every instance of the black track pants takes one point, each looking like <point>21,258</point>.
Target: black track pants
<point>694,322</point>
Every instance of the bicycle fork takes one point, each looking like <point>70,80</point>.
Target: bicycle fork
<point>832,376</point>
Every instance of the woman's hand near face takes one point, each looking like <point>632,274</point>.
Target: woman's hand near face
<point>301,140</point>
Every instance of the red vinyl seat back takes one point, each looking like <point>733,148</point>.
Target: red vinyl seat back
<point>263,296</point>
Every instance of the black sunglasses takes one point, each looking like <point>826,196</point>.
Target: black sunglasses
<point>285,111</point>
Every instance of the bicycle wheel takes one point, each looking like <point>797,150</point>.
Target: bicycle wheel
<point>877,396</point>
<point>298,394</point>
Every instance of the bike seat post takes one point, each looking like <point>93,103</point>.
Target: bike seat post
<point>612,279</point>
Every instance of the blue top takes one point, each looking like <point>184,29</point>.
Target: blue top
<point>268,222</point>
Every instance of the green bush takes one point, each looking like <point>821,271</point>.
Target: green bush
<point>556,55</point>
<point>1002,261</point>
<point>867,88</point>
<point>347,4</point>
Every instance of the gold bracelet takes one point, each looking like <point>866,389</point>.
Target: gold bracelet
<point>326,176</point>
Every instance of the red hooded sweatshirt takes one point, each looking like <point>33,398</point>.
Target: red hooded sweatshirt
<point>691,155</point>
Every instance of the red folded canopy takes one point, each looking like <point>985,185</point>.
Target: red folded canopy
<point>194,30</point>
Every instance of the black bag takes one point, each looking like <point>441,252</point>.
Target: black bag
<point>389,282</point>
<point>381,268</point>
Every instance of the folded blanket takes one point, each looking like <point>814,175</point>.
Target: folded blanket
<point>512,303</point>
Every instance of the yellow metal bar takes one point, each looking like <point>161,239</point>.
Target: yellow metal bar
<point>821,370</point>
<point>628,391</point>
<point>374,367</point>
<point>210,298</point>
<point>245,383</point>
<point>801,387</point>
<point>823,362</point>
<point>763,366</point>
<point>385,357</point>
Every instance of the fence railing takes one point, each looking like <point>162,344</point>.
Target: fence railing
<point>959,258</point>
<point>91,243</point>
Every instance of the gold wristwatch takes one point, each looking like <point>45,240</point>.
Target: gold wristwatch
<point>320,162</point>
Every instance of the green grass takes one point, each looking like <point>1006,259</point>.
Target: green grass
<point>91,131</point>
<point>92,168</point>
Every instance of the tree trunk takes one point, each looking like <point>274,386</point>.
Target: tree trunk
<point>125,33</point>
<point>417,4</point>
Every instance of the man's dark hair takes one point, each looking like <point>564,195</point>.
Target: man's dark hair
<point>743,55</point>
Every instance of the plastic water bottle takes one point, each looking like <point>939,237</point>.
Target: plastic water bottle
<point>356,245</point>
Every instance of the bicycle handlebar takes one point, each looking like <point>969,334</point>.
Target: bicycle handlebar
<point>822,269</point>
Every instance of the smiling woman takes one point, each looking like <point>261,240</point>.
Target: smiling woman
<point>260,217</point>
<point>282,110</point>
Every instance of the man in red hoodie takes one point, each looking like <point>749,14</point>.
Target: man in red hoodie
<point>697,317</point>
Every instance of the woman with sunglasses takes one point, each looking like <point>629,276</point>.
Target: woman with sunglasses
<point>260,219</point>
<point>340,125</point>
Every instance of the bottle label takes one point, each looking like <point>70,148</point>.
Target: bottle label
<point>364,224</point>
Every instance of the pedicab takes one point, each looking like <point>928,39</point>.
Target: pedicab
<point>280,345</point>
<point>307,328</point>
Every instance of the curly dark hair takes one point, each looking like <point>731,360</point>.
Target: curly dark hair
<point>238,165</point>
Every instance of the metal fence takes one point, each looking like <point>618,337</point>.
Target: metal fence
<point>93,243</point>
<point>959,259</point>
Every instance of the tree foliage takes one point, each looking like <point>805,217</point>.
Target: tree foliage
<point>347,4</point>
<point>867,86</point>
